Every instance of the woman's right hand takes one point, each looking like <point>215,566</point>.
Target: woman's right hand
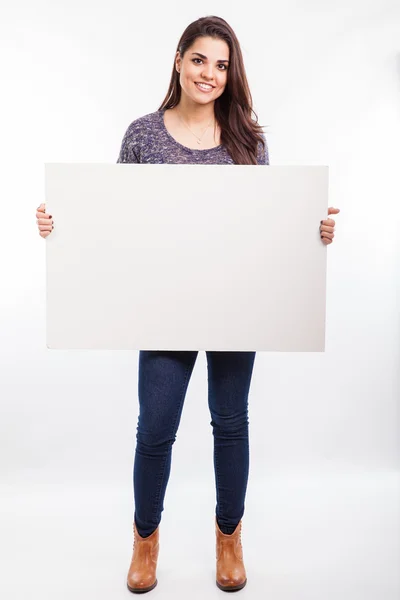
<point>44,222</point>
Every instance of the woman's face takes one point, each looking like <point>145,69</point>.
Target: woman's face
<point>206,61</point>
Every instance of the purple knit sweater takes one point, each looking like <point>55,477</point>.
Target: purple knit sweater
<point>148,141</point>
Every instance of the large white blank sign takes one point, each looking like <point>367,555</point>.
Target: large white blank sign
<point>186,257</point>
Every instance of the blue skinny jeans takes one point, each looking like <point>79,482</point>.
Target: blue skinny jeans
<point>162,384</point>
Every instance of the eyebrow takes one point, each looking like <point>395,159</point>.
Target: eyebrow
<point>205,57</point>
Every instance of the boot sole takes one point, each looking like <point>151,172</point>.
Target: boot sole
<point>230,588</point>
<point>142,590</point>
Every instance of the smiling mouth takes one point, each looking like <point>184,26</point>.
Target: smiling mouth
<point>204,86</point>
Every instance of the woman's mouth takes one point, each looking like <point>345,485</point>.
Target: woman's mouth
<point>203,87</point>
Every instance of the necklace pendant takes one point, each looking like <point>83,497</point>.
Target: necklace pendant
<point>199,141</point>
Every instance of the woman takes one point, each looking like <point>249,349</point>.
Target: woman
<point>205,118</point>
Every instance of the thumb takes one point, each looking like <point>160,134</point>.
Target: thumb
<point>333,211</point>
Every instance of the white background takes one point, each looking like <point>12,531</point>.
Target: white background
<point>322,510</point>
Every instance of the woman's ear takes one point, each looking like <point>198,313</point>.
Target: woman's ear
<point>178,62</point>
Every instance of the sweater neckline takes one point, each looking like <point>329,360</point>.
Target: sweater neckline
<point>200,150</point>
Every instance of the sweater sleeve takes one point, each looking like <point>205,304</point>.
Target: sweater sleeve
<point>130,147</point>
<point>263,154</point>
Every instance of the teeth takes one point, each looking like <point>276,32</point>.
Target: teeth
<point>204,86</point>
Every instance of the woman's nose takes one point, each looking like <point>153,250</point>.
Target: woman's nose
<point>208,72</point>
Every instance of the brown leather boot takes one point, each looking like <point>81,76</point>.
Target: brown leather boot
<point>142,571</point>
<point>231,574</point>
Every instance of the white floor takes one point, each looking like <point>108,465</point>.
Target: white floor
<point>330,538</point>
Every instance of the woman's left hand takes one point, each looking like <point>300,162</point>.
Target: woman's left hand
<point>327,227</point>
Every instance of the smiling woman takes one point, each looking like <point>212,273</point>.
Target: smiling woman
<point>209,83</point>
<point>205,118</point>
<point>208,106</point>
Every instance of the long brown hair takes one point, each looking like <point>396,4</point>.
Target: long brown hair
<point>240,133</point>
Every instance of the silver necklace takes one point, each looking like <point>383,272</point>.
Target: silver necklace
<point>196,136</point>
